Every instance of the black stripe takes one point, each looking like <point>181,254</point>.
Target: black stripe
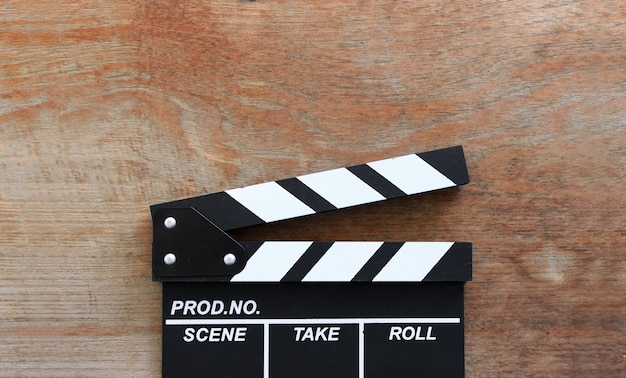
<point>225,211</point>
<point>251,247</point>
<point>377,262</point>
<point>455,265</point>
<point>306,195</point>
<point>450,162</point>
<point>376,181</point>
<point>306,262</point>
<point>219,208</point>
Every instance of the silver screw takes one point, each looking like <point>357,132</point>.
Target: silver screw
<point>169,259</point>
<point>229,259</point>
<point>169,222</point>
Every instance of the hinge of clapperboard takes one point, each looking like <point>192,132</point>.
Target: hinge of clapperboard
<point>191,241</point>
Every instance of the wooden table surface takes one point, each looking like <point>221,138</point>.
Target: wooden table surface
<point>108,106</point>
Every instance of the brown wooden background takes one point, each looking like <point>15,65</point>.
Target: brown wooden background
<point>108,106</point>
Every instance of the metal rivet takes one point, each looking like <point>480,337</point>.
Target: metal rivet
<point>170,222</point>
<point>229,259</point>
<point>169,259</point>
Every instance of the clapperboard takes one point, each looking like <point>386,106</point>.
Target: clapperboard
<point>333,309</point>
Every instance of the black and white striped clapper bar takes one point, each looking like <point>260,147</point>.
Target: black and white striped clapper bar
<point>334,309</point>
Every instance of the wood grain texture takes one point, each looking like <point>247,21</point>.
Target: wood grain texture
<point>109,106</point>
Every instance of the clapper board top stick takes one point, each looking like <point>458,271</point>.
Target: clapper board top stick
<point>271,300</point>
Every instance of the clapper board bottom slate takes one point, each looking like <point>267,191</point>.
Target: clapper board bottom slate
<point>304,330</point>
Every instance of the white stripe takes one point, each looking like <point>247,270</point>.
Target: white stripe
<point>271,261</point>
<point>413,261</point>
<point>341,188</point>
<point>257,321</point>
<point>411,174</point>
<point>270,201</point>
<point>361,350</point>
<point>266,350</point>
<point>342,261</point>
